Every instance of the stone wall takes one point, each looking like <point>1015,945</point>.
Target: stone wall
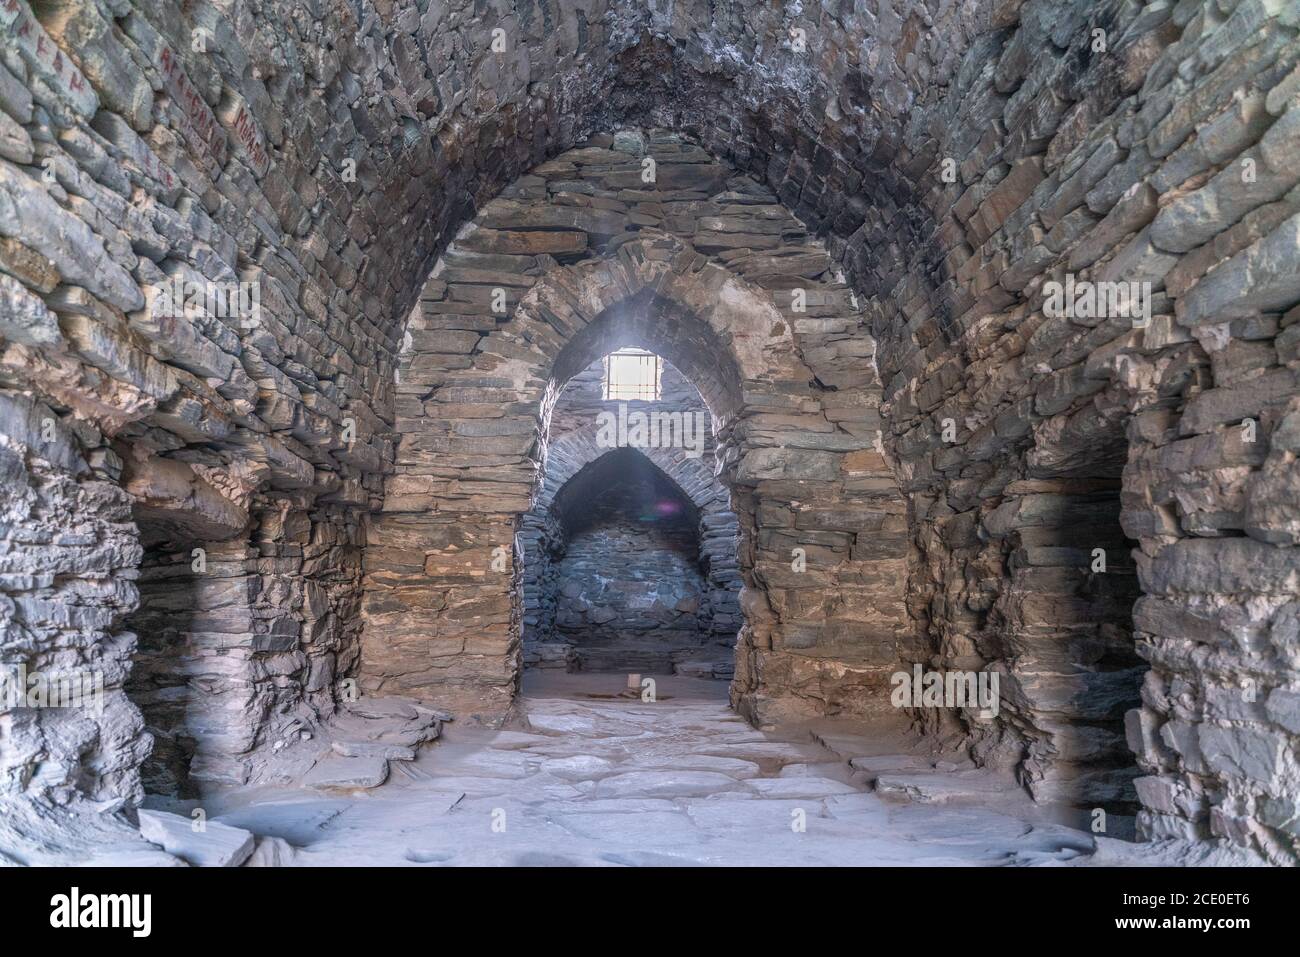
<point>1155,156</point>
<point>952,159</point>
<point>67,573</point>
<point>576,443</point>
<point>745,306</point>
<point>130,157</point>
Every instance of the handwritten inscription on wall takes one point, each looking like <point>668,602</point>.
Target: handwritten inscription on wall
<point>46,59</point>
<point>197,123</point>
<point>239,120</point>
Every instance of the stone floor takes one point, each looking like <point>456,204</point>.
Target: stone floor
<point>588,778</point>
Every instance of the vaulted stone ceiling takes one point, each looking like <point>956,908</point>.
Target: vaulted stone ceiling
<point>937,167</point>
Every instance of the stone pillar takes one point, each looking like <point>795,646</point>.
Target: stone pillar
<point>441,621</point>
<point>824,555</point>
<point>1218,622</point>
<point>68,552</point>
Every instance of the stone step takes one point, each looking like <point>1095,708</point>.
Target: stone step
<point>944,787</point>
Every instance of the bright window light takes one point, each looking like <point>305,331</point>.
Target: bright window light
<point>632,374</point>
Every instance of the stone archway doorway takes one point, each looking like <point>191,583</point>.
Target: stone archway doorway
<point>630,551</point>
<point>822,544</point>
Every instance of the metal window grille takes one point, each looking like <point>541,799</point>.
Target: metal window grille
<point>632,374</point>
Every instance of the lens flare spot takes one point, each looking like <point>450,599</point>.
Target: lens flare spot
<point>667,508</point>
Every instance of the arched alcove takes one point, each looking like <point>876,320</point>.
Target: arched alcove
<point>632,594</point>
<point>757,335</point>
<point>586,426</point>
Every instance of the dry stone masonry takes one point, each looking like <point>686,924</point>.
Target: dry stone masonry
<point>688,601</point>
<point>478,380</point>
<point>993,306</point>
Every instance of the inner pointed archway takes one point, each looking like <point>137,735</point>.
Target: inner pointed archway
<point>762,330</point>
<point>630,592</point>
<point>630,550</point>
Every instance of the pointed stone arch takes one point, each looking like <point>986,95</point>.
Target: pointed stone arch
<point>573,453</point>
<point>623,580</point>
<point>760,335</point>
<point>543,537</point>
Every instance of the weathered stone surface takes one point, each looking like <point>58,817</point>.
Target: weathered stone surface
<point>893,406</point>
<point>1260,277</point>
<point>169,493</point>
<point>1191,220</point>
<point>24,317</point>
<point>29,216</point>
<point>347,773</point>
<point>272,852</point>
<point>664,782</point>
<point>200,843</point>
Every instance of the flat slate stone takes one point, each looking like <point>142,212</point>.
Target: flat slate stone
<point>800,787</point>
<point>347,773</point>
<point>636,784</point>
<point>735,767</point>
<point>940,787</point>
<point>371,749</point>
<point>518,740</point>
<point>272,852</point>
<point>380,708</point>
<point>877,763</point>
<point>216,845</point>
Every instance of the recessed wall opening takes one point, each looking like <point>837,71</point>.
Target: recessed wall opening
<point>1067,616</point>
<point>630,592</point>
<point>632,374</point>
<point>159,681</point>
<point>194,650</point>
<point>629,555</point>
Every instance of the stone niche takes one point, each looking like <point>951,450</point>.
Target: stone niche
<point>247,617</point>
<point>706,269</point>
<point>629,554</point>
<point>631,595</point>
